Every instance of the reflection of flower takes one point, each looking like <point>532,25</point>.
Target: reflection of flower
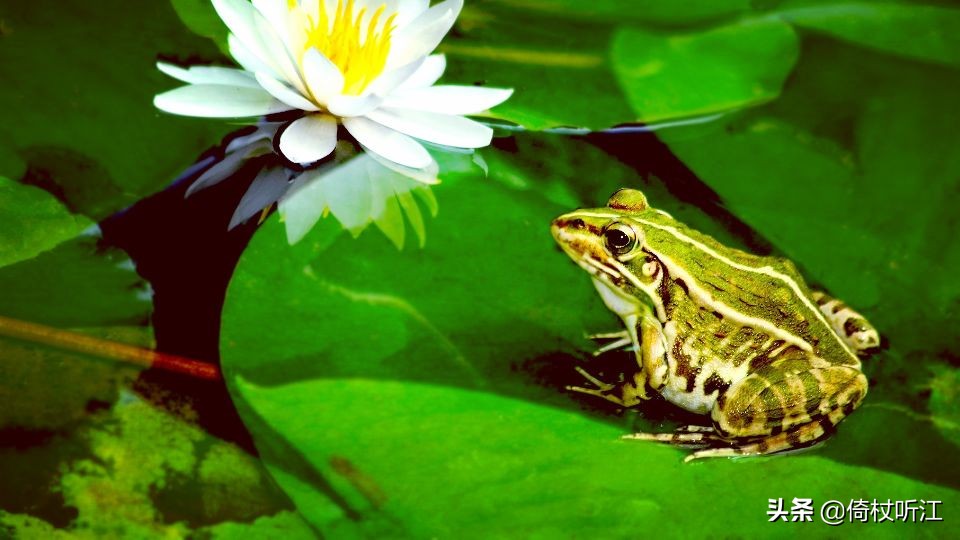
<point>360,63</point>
<point>357,188</point>
<point>357,192</point>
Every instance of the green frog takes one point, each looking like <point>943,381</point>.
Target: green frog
<point>717,331</point>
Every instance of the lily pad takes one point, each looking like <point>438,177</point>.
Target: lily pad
<point>669,75</point>
<point>436,461</point>
<point>32,221</point>
<point>910,29</point>
<point>88,129</point>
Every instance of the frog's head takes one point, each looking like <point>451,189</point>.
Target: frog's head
<point>610,246</point>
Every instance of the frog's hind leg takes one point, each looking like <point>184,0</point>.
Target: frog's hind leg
<point>800,437</point>
<point>690,436</point>
<point>791,403</point>
<point>855,330</point>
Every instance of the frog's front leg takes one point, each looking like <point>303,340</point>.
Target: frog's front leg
<point>619,340</point>
<point>651,361</point>
<point>792,403</point>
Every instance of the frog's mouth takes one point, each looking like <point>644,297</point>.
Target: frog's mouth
<point>583,249</point>
<point>610,277</point>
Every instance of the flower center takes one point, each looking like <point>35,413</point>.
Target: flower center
<point>357,44</point>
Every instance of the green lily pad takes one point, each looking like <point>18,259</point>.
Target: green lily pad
<point>32,221</point>
<point>912,30</point>
<point>78,97</point>
<point>670,75</point>
<point>435,461</point>
<point>202,19</point>
<point>637,11</point>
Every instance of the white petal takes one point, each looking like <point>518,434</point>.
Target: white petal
<point>275,12</point>
<point>409,10</point>
<point>218,101</point>
<point>247,59</point>
<point>269,186</point>
<point>424,175</point>
<point>285,94</point>
<point>301,206</point>
<point>279,54</point>
<point>388,143</point>
<point>388,81</point>
<point>436,128</point>
<point>430,72</point>
<point>343,189</point>
<point>389,217</point>
<point>421,37</point>
<point>412,211</point>
<point>324,79</point>
<point>426,196</point>
<point>239,16</point>
<point>347,106</point>
<point>208,75</point>
<point>449,99</point>
<point>256,38</point>
<point>309,139</point>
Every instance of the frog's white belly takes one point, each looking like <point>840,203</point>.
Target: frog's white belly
<point>704,394</point>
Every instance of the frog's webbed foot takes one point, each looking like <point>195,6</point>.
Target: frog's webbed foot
<point>620,340</point>
<point>624,394</point>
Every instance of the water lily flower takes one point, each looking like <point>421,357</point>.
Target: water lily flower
<point>365,65</point>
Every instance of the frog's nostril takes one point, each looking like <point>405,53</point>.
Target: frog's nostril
<point>578,224</point>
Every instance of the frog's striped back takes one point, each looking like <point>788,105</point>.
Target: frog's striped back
<point>764,293</point>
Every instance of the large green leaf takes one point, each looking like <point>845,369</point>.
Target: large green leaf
<point>416,392</point>
<point>670,75</point>
<point>433,461</point>
<point>651,12</point>
<point>910,29</point>
<point>77,94</point>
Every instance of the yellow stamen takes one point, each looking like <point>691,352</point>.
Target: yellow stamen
<point>360,51</point>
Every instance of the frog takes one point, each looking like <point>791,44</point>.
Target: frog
<point>738,339</point>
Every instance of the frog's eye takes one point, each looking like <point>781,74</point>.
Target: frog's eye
<point>620,238</point>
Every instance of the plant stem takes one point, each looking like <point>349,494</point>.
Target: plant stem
<point>102,348</point>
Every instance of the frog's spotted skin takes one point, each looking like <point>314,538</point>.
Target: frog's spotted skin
<point>718,332</point>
